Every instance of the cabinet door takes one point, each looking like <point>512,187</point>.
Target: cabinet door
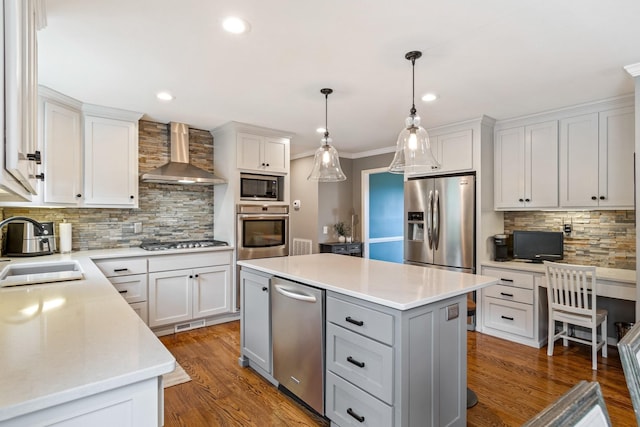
<point>256,319</point>
<point>276,155</point>
<point>617,140</point>
<point>541,165</point>
<point>249,152</point>
<point>212,291</point>
<point>509,153</point>
<point>170,297</point>
<point>455,151</point>
<point>579,161</point>
<point>63,167</point>
<point>141,310</point>
<point>111,162</point>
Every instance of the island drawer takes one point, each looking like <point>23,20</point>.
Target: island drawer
<point>509,293</point>
<point>509,277</point>
<point>512,317</point>
<point>122,266</point>
<point>132,288</point>
<point>366,363</point>
<point>363,320</point>
<point>347,405</point>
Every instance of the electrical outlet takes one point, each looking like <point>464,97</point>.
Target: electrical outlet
<point>325,230</point>
<point>137,227</point>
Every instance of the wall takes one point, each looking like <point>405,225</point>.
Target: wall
<point>167,212</point>
<point>303,223</point>
<point>601,238</point>
<point>335,203</point>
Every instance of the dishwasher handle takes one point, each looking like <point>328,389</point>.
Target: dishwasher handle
<point>294,293</point>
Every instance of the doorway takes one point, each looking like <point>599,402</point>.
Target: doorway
<point>383,214</point>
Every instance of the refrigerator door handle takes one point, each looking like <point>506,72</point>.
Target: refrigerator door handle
<point>436,221</point>
<point>430,220</point>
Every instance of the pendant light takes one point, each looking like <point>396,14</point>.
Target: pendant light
<point>413,149</point>
<point>326,162</point>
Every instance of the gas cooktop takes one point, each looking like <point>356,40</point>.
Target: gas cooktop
<point>185,244</point>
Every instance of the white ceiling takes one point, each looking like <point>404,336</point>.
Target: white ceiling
<point>501,58</point>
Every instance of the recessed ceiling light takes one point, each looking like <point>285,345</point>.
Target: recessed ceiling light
<point>429,97</point>
<point>164,96</point>
<point>320,130</point>
<point>235,25</point>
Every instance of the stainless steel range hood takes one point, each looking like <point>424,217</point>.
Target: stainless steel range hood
<point>179,170</point>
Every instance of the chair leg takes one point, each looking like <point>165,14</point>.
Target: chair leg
<point>552,334</point>
<point>594,348</point>
<point>603,329</point>
<point>565,328</point>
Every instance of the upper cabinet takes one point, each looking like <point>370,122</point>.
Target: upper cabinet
<point>596,160</point>
<point>262,153</point>
<point>526,166</point>
<point>454,151</point>
<point>574,158</point>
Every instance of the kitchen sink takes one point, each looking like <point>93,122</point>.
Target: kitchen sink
<point>41,272</point>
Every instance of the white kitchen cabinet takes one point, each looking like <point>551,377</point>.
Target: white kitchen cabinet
<point>110,162</point>
<point>255,320</point>
<point>454,151</point>
<point>179,295</point>
<point>596,160</point>
<point>262,153</point>
<point>526,166</point>
<point>129,277</point>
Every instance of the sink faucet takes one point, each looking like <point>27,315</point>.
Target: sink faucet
<point>39,228</point>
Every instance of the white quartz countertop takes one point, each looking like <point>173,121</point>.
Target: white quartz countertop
<point>63,341</point>
<point>602,273</point>
<point>394,285</point>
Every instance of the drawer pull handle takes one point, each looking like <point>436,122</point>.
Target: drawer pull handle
<point>507,317</point>
<point>355,362</point>
<point>123,292</point>
<point>355,322</point>
<point>264,289</point>
<point>120,270</point>
<point>506,280</point>
<point>360,418</point>
<point>504,294</point>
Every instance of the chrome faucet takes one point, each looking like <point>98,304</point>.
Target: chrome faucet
<point>39,229</point>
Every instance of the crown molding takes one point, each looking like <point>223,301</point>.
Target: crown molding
<point>633,69</point>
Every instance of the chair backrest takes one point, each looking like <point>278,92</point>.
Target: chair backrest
<point>581,406</point>
<point>629,347</point>
<point>569,288</point>
<point>301,246</point>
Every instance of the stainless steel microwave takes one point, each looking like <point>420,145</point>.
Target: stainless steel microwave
<point>259,187</point>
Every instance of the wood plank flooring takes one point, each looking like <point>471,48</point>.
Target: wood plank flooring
<point>513,382</point>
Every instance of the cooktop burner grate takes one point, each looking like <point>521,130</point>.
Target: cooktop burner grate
<point>185,244</point>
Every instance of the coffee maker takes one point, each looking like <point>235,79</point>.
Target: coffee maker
<point>501,247</point>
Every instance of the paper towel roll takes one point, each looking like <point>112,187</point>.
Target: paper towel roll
<point>65,237</point>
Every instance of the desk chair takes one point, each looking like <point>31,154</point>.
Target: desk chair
<point>629,347</point>
<point>583,405</point>
<point>572,301</point>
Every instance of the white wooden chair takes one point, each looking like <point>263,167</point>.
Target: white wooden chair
<point>629,347</point>
<point>581,406</point>
<point>572,301</point>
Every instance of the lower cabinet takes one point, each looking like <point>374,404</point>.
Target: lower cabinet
<point>178,295</point>
<point>255,339</point>
<point>513,309</point>
<point>129,277</point>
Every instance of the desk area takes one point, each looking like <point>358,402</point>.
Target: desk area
<point>516,308</point>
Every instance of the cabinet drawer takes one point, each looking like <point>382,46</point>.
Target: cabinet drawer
<point>512,317</point>
<point>354,248</point>
<point>365,321</point>
<point>132,288</point>
<point>509,293</point>
<point>510,278</point>
<point>345,403</point>
<point>182,261</point>
<point>361,361</point>
<point>122,266</point>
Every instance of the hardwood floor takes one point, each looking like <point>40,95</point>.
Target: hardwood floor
<point>513,382</point>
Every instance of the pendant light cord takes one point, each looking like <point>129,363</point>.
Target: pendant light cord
<point>326,116</point>
<point>413,86</point>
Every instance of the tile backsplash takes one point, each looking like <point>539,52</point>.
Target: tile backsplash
<point>166,211</point>
<point>600,238</point>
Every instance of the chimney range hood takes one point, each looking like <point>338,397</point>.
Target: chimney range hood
<point>179,170</point>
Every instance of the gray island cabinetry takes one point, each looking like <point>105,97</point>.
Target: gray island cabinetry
<point>395,336</point>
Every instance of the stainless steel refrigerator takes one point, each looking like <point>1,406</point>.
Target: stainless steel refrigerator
<point>440,222</point>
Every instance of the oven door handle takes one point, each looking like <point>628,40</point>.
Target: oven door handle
<point>295,294</point>
<point>259,216</point>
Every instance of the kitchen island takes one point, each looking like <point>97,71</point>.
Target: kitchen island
<point>395,335</point>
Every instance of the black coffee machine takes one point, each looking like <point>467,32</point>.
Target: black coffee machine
<point>501,246</point>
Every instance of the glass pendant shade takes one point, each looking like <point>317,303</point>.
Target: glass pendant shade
<point>413,148</point>
<point>326,162</point>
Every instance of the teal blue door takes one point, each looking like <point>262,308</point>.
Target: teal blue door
<point>386,215</point>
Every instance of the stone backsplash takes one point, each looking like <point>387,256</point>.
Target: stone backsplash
<point>600,238</point>
<point>166,211</point>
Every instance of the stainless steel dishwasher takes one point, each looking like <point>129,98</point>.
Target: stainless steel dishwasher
<point>297,324</point>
